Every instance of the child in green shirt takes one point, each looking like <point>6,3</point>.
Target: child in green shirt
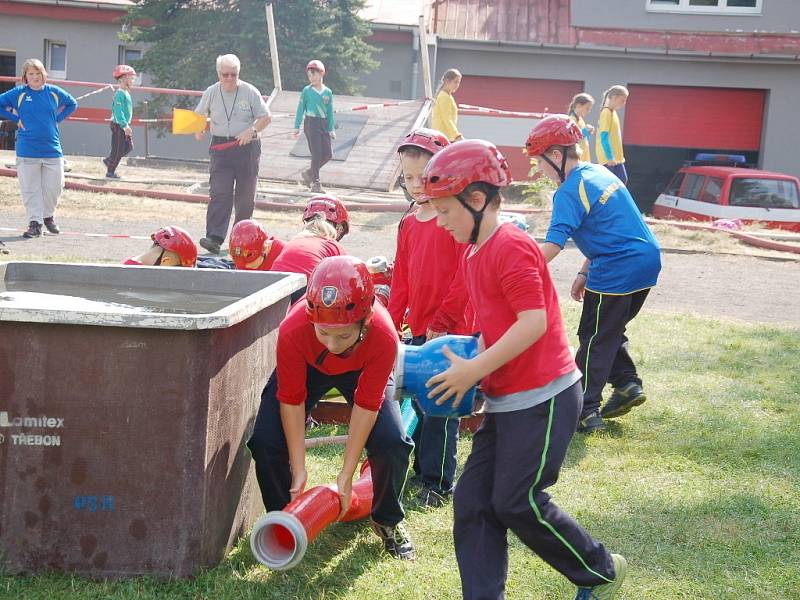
<point>315,111</point>
<point>121,115</point>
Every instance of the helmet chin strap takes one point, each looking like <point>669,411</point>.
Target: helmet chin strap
<point>477,216</point>
<point>559,170</point>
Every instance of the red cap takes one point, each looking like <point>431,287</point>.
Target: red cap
<point>121,70</point>
<point>316,64</point>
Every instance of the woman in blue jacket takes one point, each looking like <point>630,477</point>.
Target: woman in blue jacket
<point>38,107</point>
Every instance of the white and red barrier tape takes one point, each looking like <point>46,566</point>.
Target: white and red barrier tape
<point>465,108</point>
<point>110,86</point>
<point>81,234</point>
<point>471,108</point>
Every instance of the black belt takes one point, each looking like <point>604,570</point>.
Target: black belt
<point>218,139</point>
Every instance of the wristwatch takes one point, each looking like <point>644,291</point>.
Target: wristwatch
<point>255,132</point>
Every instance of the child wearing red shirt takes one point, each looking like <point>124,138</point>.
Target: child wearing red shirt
<point>530,383</point>
<point>433,293</point>
<point>325,222</point>
<point>304,252</point>
<point>339,337</point>
<point>252,248</point>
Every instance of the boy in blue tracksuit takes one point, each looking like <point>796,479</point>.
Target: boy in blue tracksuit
<point>623,259</point>
<point>315,112</point>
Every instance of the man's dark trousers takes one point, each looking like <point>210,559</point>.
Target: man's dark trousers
<point>233,176</point>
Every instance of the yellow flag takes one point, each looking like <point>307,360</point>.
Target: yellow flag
<point>187,121</point>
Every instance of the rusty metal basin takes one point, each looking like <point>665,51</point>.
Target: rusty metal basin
<point>126,396</point>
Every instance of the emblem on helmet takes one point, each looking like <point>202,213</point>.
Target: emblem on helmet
<point>329,293</point>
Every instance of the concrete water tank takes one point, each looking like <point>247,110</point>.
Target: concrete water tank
<point>126,396</point>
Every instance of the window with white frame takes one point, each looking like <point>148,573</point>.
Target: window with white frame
<point>725,7</point>
<point>56,59</point>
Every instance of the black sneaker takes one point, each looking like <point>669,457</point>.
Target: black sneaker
<point>51,225</point>
<point>34,230</point>
<point>4,249</point>
<point>623,400</point>
<point>210,244</point>
<point>105,162</point>
<point>317,188</point>
<point>591,423</point>
<point>430,498</point>
<point>111,175</point>
<point>395,540</point>
<point>305,177</point>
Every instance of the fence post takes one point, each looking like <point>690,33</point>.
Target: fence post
<point>146,132</point>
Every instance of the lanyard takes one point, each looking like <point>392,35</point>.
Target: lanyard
<point>225,108</point>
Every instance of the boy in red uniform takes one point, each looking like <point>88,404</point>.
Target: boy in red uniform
<point>433,293</point>
<point>172,247</point>
<point>338,337</point>
<point>530,383</point>
<point>252,248</point>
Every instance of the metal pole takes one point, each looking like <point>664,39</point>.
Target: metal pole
<point>146,136</point>
<point>426,65</point>
<point>273,48</point>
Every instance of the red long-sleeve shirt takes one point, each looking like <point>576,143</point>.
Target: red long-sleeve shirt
<point>298,347</point>
<point>302,255</point>
<point>427,279</point>
<point>508,275</point>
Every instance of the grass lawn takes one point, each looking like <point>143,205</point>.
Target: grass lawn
<point>699,488</point>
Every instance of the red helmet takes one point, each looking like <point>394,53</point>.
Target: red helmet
<point>340,292</point>
<point>316,64</point>
<point>555,130</point>
<point>121,70</point>
<point>247,242</point>
<point>329,207</point>
<point>456,166</point>
<point>174,239</point>
<point>429,140</point>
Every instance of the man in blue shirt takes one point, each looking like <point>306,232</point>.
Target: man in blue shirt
<point>623,260</point>
<point>38,107</point>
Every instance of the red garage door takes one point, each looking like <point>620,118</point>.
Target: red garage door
<point>512,93</point>
<point>694,117</point>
